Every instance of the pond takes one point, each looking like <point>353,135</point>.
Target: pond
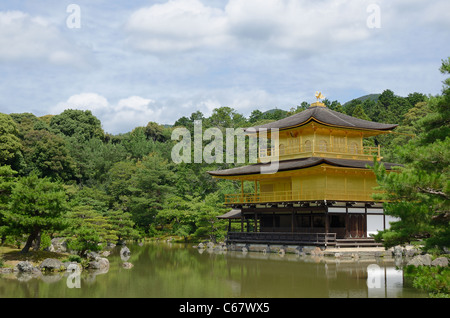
<point>163,270</point>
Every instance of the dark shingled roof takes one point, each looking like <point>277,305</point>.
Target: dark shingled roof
<point>295,164</point>
<point>326,116</point>
<point>233,214</point>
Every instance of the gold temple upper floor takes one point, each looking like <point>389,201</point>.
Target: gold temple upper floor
<point>320,149</point>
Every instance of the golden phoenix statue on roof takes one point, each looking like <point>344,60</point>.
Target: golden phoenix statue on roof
<point>319,96</point>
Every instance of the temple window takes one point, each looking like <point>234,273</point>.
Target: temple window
<point>282,149</point>
<point>323,146</point>
<point>308,145</point>
<point>353,148</point>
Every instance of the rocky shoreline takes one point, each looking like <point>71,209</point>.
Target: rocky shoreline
<point>402,256</point>
<point>94,264</point>
<point>26,269</point>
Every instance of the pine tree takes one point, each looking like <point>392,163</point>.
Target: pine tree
<point>36,205</point>
<point>358,112</point>
<point>419,195</point>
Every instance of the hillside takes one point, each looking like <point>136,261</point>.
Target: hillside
<point>373,97</point>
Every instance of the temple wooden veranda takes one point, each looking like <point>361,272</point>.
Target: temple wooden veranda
<point>322,191</point>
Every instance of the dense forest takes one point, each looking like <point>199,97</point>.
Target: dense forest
<point>63,176</point>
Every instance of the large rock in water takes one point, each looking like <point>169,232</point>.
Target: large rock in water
<point>125,251</point>
<point>51,264</point>
<point>100,263</point>
<point>24,267</point>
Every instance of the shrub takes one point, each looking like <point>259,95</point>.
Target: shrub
<point>46,241</point>
<point>74,258</point>
<point>435,280</point>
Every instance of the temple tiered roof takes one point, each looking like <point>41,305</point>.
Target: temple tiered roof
<point>326,116</point>
<point>295,164</point>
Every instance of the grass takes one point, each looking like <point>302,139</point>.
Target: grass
<point>11,256</point>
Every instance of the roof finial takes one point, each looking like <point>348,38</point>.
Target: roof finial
<point>319,96</point>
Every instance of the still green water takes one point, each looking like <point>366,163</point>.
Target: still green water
<point>163,270</point>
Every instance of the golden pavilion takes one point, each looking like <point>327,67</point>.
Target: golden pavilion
<point>321,193</point>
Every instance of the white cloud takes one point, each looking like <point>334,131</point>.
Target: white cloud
<point>119,117</point>
<point>203,54</point>
<point>84,101</point>
<point>176,25</point>
<point>33,38</point>
<point>181,25</point>
<point>128,113</point>
<point>135,103</point>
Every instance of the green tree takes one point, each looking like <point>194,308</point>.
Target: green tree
<point>141,188</point>
<point>225,117</point>
<point>414,114</point>
<point>149,186</point>
<point>78,123</point>
<point>255,116</point>
<point>156,132</point>
<point>206,218</point>
<point>122,224</point>
<point>46,155</point>
<point>350,106</point>
<point>36,205</point>
<point>91,223</point>
<point>94,158</point>
<point>437,124</point>
<point>119,180</point>
<point>358,112</point>
<point>136,143</point>
<point>275,114</point>
<point>178,214</point>
<point>10,145</point>
<point>419,195</point>
<point>87,230</point>
<point>7,181</point>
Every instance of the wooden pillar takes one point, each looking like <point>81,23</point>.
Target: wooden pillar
<point>301,148</point>
<point>273,221</point>
<point>346,221</point>
<point>242,221</point>
<point>256,222</point>
<point>365,219</point>
<point>327,225</point>
<point>362,146</point>
<point>330,149</point>
<point>346,143</point>
<point>292,220</point>
<point>314,142</point>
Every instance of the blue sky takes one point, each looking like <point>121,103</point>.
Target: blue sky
<point>132,62</point>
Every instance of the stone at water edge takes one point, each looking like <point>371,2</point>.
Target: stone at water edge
<point>125,251</point>
<point>51,264</point>
<point>24,267</point>
<point>127,265</point>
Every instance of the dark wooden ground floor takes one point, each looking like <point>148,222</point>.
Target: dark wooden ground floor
<point>308,225</point>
